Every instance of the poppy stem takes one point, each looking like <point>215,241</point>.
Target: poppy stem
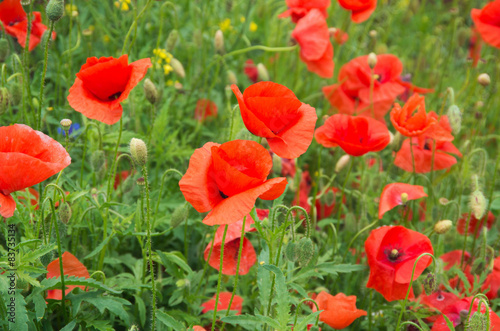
<point>59,251</point>
<point>298,310</point>
<point>44,72</point>
<point>133,26</point>
<point>262,48</point>
<point>462,260</point>
<point>26,53</point>
<point>220,277</point>
<point>412,159</point>
<point>337,224</point>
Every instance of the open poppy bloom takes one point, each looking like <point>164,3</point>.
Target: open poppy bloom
<point>453,258</point>
<point>272,111</point>
<point>251,71</point>
<point>339,311</point>
<point>487,22</point>
<point>27,157</point>
<point>71,267</point>
<point>411,120</point>
<point>352,94</point>
<point>15,22</point>
<point>392,196</point>
<point>392,252</point>
<point>475,225</point>
<point>316,50</point>
<point>492,281</point>
<point>204,109</point>
<point>102,84</point>
<point>458,311</point>
<point>356,135</point>
<point>297,9</point>
<point>361,9</point>
<point>227,179</point>
<point>223,304</point>
<point>438,300</point>
<point>232,246</point>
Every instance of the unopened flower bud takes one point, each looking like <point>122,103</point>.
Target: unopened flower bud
<point>342,162</point>
<point>172,38</point>
<point>179,215</point>
<point>455,118</point>
<point>478,322</point>
<point>4,100</point>
<point>404,198</point>
<point>139,151</point>
<point>231,77</point>
<point>430,285</point>
<point>55,10</point>
<point>65,212</point>
<point>141,181</point>
<point>372,60</point>
<point>178,68</point>
<point>219,42</point>
<point>66,124</point>
<point>477,203</point>
<point>484,79</point>
<point>4,49</point>
<point>150,91</point>
<point>443,226</point>
<point>97,160</point>
<point>277,164</point>
<point>263,75</point>
<point>391,137</point>
<point>305,250</point>
<point>373,33</point>
<point>443,201</point>
<point>16,93</point>
<point>291,252</point>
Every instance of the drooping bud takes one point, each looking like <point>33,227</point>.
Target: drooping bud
<point>430,285</point>
<point>443,226</point>
<point>178,68</point>
<point>478,322</point>
<point>477,203</point>
<point>404,198</point>
<point>139,151</point>
<point>484,79</point>
<point>342,162</point>
<point>4,100</point>
<point>263,75</point>
<point>55,10</point>
<point>291,251</point>
<point>455,117</point>
<point>150,91</point>
<point>372,60</point>
<point>4,49</point>
<point>231,77</point>
<point>219,42</point>
<point>179,216</point>
<point>65,212</point>
<point>277,164</point>
<point>172,38</point>
<point>305,250</point>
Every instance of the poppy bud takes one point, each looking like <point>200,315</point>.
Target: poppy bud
<point>404,198</point>
<point>180,215</point>
<point>291,252</point>
<point>46,258</point>
<point>4,100</point>
<point>65,212</point>
<point>277,165</point>
<point>25,2</point>
<point>97,160</point>
<point>391,138</point>
<point>231,78</point>
<point>455,117</point>
<point>484,79</point>
<point>342,162</point>
<point>443,226</point>
<point>4,49</point>
<point>263,75</point>
<point>477,203</point>
<point>63,229</point>
<point>372,60</point>
<point>305,250</point>
<point>178,68</point>
<point>139,151</point>
<point>141,181</point>
<point>150,91</point>
<point>172,38</point>
<point>55,10</point>
<point>478,322</point>
<point>219,42</point>
<point>16,93</point>
<point>373,33</point>
<point>430,285</point>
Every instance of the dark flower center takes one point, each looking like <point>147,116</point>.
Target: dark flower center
<point>223,195</point>
<point>114,96</point>
<point>393,254</point>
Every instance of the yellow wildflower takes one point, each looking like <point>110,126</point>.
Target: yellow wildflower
<point>225,25</point>
<point>242,19</point>
<point>253,27</point>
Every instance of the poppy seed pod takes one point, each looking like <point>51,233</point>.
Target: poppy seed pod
<point>372,60</point>
<point>55,10</point>
<point>442,226</point>
<point>139,151</point>
<point>484,79</point>
<point>219,42</point>
<point>65,212</point>
<point>263,74</point>
<point>4,100</point>
<point>179,216</point>
<point>178,68</point>
<point>404,198</point>
<point>150,91</point>
<point>4,49</point>
<point>305,250</point>
<point>455,118</point>
<point>172,38</point>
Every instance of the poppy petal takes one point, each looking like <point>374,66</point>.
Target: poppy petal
<point>391,196</point>
<point>71,267</point>
<point>7,205</point>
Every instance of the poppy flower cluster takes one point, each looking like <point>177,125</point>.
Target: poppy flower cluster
<point>272,111</point>
<point>227,179</point>
<point>361,10</point>
<point>339,311</point>
<point>487,22</point>
<point>71,267</point>
<point>297,9</point>
<point>27,157</point>
<point>15,22</point>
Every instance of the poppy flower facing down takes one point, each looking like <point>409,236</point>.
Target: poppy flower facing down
<point>227,179</point>
<point>356,135</point>
<point>223,304</point>
<point>251,71</point>
<point>392,196</point>
<point>475,225</point>
<point>339,311</point>
<point>392,252</point>
<point>204,109</point>
<point>71,267</point>
<point>272,111</point>
<point>487,22</point>
<point>103,83</point>
<point>297,9</point>
<point>15,22</point>
<point>361,9</point>
<point>316,50</point>
<point>27,157</point>
<point>232,246</point>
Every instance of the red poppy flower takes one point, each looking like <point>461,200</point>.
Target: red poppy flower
<point>439,300</point>
<point>475,226</point>
<point>454,258</point>
<point>356,135</point>
<point>71,267</point>
<point>391,196</point>
<point>392,252</point>
<point>455,311</point>
<point>120,178</point>
<point>232,246</point>
<point>102,84</point>
<point>412,120</point>
<point>487,22</point>
<point>352,95</point>
<point>297,9</point>
<point>227,179</point>
<point>15,22</point>
<point>339,311</point>
<point>272,111</point>
<point>199,328</point>
<point>27,157</point>
<point>204,109</point>
<point>361,9</point>
<point>410,89</point>
<point>316,50</point>
<point>223,304</point>
<point>475,46</point>
<point>492,282</point>
<point>251,71</point>
<point>340,37</point>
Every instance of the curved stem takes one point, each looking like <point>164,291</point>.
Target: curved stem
<point>298,309</point>
<point>262,48</point>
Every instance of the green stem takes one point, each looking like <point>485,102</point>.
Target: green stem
<point>113,164</point>
<point>151,267</point>
<point>220,277</point>
<point>44,72</point>
<point>262,48</point>
<point>59,251</point>
<point>133,26</point>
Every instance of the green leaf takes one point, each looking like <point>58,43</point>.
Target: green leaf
<point>99,248</point>
<point>40,306</point>
<point>31,256</point>
<point>282,298</point>
<point>70,326</point>
<point>169,321</point>
<point>174,258</point>
<point>449,323</point>
<point>21,317</point>
<point>55,283</point>
<point>309,319</point>
<point>141,307</point>
<point>263,276</point>
<point>101,302</point>
<point>249,322</point>
<point>334,269</point>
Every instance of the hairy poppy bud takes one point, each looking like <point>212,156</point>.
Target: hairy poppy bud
<point>262,73</point>
<point>484,79</point>
<point>46,258</point>
<point>97,160</point>
<point>4,49</point>
<point>66,124</point>
<point>291,252</point>
<point>430,285</point>
<point>180,215</point>
<point>139,151</point>
<point>141,181</point>
<point>477,203</point>
<point>478,322</point>
<point>231,78</point>
<point>16,93</point>
<point>305,250</point>
<point>4,100</point>
<point>150,91</point>
<point>219,42</point>
<point>172,38</point>
<point>65,212</point>
<point>178,68</point>
<point>455,117</point>
<point>63,229</point>
<point>55,10</point>
<point>443,226</point>
<point>277,165</point>
<point>372,60</point>
<point>342,162</point>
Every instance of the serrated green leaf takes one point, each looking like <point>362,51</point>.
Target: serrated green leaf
<point>247,321</point>
<point>21,316</point>
<point>31,256</point>
<point>309,319</point>
<point>282,298</point>
<point>169,320</point>
<point>101,302</point>
<point>174,259</point>
<point>449,323</point>
<point>99,248</point>
<point>70,326</point>
<point>40,305</point>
